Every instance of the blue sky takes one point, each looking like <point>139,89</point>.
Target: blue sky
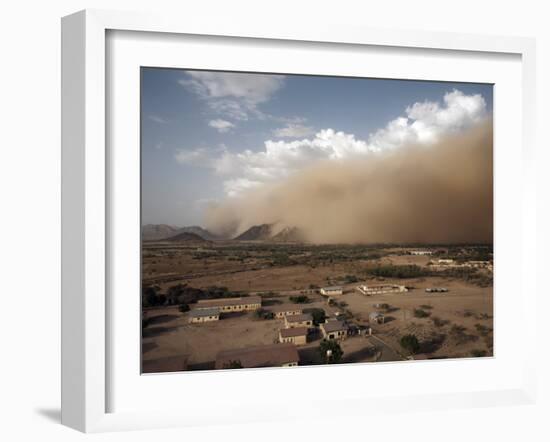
<point>208,136</point>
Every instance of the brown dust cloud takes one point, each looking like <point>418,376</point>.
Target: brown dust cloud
<point>441,193</point>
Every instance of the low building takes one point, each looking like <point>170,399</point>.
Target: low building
<point>303,320</point>
<point>420,252</point>
<point>274,355</point>
<point>332,291</point>
<point>377,318</point>
<point>204,315</point>
<point>381,289</point>
<point>334,330</point>
<point>296,335</point>
<point>226,305</point>
<point>437,290</point>
<point>280,311</point>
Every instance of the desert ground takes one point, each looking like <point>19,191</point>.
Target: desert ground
<point>457,323</point>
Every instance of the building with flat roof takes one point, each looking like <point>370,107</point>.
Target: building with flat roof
<point>274,355</point>
<point>296,335</point>
<point>420,252</point>
<point>334,330</point>
<point>331,291</point>
<point>280,311</point>
<point>204,315</point>
<point>369,290</point>
<point>244,303</point>
<point>303,320</point>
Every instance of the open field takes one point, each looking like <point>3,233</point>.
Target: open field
<point>457,323</point>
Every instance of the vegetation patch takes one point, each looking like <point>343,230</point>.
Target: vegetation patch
<point>300,299</point>
<point>330,351</point>
<point>410,343</point>
<point>419,313</point>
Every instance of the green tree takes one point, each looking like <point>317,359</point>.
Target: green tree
<point>410,343</point>
<point>419,313</point>
<point>149,296</point>
<point>300,299</point>
<point>331,351</point>
<point>318,315</point>
<point>233,364</point>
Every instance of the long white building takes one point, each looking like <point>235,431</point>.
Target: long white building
<point>381,289</point>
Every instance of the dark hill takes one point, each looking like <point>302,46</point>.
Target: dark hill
<point>256,233</point>
<point>188,237</point>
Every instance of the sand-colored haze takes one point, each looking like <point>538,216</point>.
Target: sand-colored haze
<point>442,193</point>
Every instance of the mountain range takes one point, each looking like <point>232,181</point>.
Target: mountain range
<point>261,232</point>
<point>155,232</point>
<point>266,232</point>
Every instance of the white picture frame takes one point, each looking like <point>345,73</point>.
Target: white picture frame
<point>86,211</point>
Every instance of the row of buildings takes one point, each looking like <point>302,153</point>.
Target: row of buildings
<point>365,289</point>
<point>208,310</point>
<point>444,264</point>
<point>284,354</point>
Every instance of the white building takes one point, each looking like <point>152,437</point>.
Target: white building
<point>245,303</point>
<point>331,291</point>
<point>204,315</point>
<point>421,252</point>
<point>381,289</point>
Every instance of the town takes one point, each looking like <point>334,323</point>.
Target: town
<point>228,305</point>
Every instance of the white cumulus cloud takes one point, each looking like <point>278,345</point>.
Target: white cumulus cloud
<point>422,123</point>
<point>425,122</point>
<point>221,125</point>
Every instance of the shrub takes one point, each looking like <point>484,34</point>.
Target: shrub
<point>300,299</point>
<point>438,322</point>
<point>426,306</point>
<point>478,353</point>
<point>483,330</point>
<point>458,332</point>
<point>149,296</point>
<point>349,279</point>
<point>183,308</point>
<point>419,313</point>
<point>264,314</point>
<point>233,364</point>
<point>399,271</point>
<point>410,343</point>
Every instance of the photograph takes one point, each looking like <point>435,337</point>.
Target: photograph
<point>298,220</point>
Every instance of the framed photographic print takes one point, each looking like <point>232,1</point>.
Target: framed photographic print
<point>246,207</point>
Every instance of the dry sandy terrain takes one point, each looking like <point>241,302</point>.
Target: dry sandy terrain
<point>459,322</point>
